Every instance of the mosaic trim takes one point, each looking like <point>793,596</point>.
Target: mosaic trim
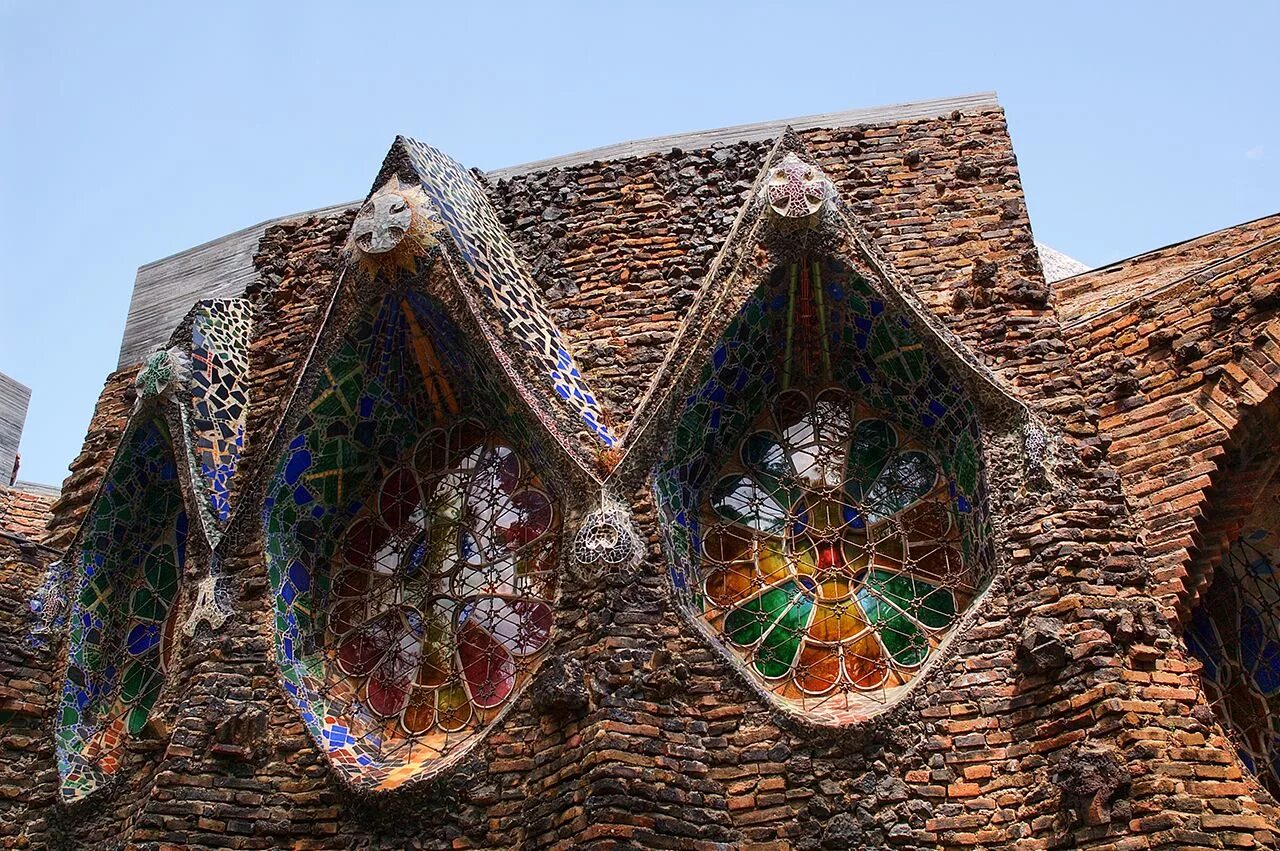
<point>823,494</point>
<point>503,279</point>
<point>411,549</point>
<point>128,564</point>
<point>49,606</point>
<point>1235,633</point>
<point>220,333</point>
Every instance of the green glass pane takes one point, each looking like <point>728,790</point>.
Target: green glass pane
<point>777,653</point>
<point>136,719</point>
<point>145,606</point>
<point>902,638</point>
<point>873,441</point>
<point>745,624</point>
<point>135,681</point>
<point>938,609</point>
<point>161,573</point>
<point>933,606</point>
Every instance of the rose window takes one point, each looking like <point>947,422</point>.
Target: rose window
<point>441,594</point>
<point>832,548</point>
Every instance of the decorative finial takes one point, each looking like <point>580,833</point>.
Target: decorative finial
<point>608,537</point>
<point>795,189</point>
<point>162,374</point>
<point>393,229</point>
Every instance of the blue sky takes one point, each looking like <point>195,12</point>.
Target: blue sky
<point>129,132</point>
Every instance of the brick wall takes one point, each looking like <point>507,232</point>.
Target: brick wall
<point>1065,713</point>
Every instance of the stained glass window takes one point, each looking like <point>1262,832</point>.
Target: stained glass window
<point>1235,633</point>
<point>122,637</point>
<point>412,548</point>
<point>824,494</point>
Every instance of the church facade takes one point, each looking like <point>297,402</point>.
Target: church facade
<point>763,488</point>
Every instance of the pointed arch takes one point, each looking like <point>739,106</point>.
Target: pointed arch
<point>824,495</point>
<point>1234,630</point>
<point>1229,600</point>
<point>760,241</point>
<point>497,288</point>
<point>412,528</point>
<point>129,558</point>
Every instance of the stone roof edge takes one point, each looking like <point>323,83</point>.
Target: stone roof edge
<point>245,231</point>
<point>1102,270</point>
<point>1179,242</point>
<point>150,316</point>
<point>640,147</point>
<point>35,488</point>
<point>890,113</point>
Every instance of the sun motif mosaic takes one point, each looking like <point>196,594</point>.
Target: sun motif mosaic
<point>824,497</point>
<point>123,619</point>
<point>220,333</point>
<point>411,546</point>
<point>503,278</point>
<point>1235,633</point>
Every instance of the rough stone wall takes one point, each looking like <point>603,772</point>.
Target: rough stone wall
<point>110,416</point>
<point>622,247</point>
<point>1064,714</point>
<point>28,779</point>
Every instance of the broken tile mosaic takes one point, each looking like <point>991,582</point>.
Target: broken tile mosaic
<point>219,395</point>
<point>502,277</point>
<point>122,624</point>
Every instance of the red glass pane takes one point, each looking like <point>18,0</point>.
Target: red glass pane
<point>487,667</point>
